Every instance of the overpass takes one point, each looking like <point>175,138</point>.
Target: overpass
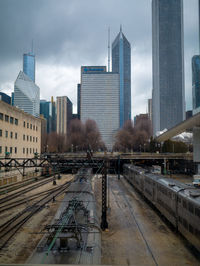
<point>191,123</point>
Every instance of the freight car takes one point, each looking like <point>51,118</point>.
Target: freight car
<point>177,202</point>
<point>74,235</point>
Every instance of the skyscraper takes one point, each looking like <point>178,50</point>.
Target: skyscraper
<point>27,95</point>
<point>196,83</point>
<point>168,94</point>
<point>196,76</point>
<point>47,109</point>
<point>121,63</point>
<point>100,102</point>
<point>79,101</point>
<point>64,114</point>
<point>29,65</point>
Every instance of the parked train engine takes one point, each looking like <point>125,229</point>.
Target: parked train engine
<point>177,202</point>
<point>74,236</point>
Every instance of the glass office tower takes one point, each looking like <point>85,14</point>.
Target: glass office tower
<point>121,63</point>
<point>196,83</point>
<point>29,65</point>
<point>168,94</point>
<point>27,95</point>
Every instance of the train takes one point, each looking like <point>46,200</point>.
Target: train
<point>74,235</point>
<point>179,203</point>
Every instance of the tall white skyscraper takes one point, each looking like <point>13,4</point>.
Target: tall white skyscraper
<point>168,96</point>
<point>27,95</point>
<point>100,102</point>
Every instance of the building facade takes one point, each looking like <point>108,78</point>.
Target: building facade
<point>168,93</point>
<point>121,63</point>
<point>27,95</point>
<point>150,109</point>
<point>79,101</point>
<point>20,133</point>
<point>100,102</point>
<point>64,114</point>
<point>196,83</point>
<point>48,110</point>
<point>29,65</point>
<point>5,98</point>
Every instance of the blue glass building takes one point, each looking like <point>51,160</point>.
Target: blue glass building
<point>121,63</point>
<point>29,65</point>
<point>5,98</point>
<point>196,81</point>
<point>48,110</point>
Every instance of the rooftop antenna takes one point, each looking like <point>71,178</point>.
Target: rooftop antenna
<point>108,49</point>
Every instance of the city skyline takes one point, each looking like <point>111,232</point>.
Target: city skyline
<point>60,53</point>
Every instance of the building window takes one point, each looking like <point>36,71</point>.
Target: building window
<point>36,139</point>
<point>36,128</point>
<point>26,150</point>
<point>27,125</point>
<point>15,135</point>
<point>30,138</point>
<point>30,150</point>
<point>6,133</point>
<point>33,127</point>
<point>1,116</point>
<point>11,120</point>
<point>6,149</point>
<point>27,138</point>
<point>15,149</point>
<point>16,121</point>
<point>30,126</point>
<point>0,149</point>
<point>36,149</point>
<point>23,150</point>
<point>10,149</point>
<point>6,118</point>
<point>24,124</point>
<point>33,139</point>
<point>33,150</point>
<point>0,132</point>
<point>23,137</point>
<point>11,134</point>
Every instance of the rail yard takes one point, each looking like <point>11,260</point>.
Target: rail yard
<point>58,219</point>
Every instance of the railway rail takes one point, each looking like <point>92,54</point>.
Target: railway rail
<point>19,193</point>
<point>26,200</point>
<point>12,226</point>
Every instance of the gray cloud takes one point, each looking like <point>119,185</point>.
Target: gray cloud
<point>71,33</point>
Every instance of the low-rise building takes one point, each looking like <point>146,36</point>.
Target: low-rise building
<point>20,132</point>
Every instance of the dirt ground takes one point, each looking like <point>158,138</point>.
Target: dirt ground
<point>137,235</point>
<point>27,238</point>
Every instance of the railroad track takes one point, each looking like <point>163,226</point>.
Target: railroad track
<point>19,202</point>
<point>12,226</point>
<point>11,187</point>
<point>19,193</point>
<point>134,219</point>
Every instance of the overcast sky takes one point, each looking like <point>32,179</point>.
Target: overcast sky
<point>71,33</point>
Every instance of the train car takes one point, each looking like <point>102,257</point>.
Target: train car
<point>166,198</point>
<point>149,191</point>
<point>177,202</point>
<point>134,175</point>
<point>189,215</point>
<point>74,236</point>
